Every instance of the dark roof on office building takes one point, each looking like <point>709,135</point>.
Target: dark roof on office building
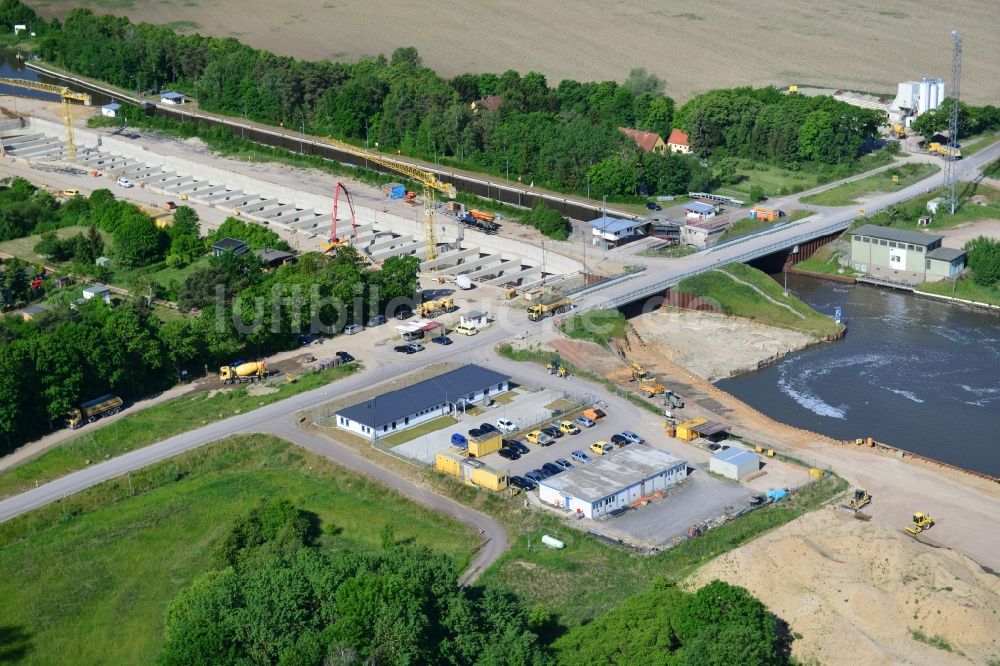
<point>945,254</point>
<point>898,235</point>
<point>396,405</point>
<point>271,256</point>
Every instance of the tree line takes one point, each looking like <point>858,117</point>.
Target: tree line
<point>564,137</point>
<point>276,595</point>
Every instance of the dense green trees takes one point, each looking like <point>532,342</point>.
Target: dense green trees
<point>281,599</point>
<point>984,260</point>
<point>971,120</point>
<point>718,625</point>
<point>255,235</point>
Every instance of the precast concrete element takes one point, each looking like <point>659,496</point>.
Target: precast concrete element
<point>450,259</point>
<point>258,206</point>
<point>505,266</point>
<point>413,248</point>
<point>517,278</point>
<point>276,211</point>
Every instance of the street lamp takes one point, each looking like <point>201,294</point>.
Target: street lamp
<point>302,136</point>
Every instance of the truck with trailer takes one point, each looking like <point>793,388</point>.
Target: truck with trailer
<point>470,219</point>
<point>944,150</point>
<point>242,372</point>
<point>436,307</point>
<point>540,311</point>
<point>94,409</point>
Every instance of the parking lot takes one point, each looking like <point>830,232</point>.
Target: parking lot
<point>526,406</point>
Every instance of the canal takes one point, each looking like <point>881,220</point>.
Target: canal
<point>914,373</point>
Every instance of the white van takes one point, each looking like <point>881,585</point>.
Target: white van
<point>465,329</point>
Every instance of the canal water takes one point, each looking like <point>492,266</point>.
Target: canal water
<point>914,373</point>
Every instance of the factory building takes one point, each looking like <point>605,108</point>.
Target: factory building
<point>916,97</point>
<point>613,481</point>
<point>910,257</point>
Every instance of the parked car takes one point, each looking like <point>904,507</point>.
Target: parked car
<point>619,440</point>
<point>441,340</point>
<point>125,182</point>
<point>712,446</point>
<point>411,336</point>
<point>552,468</point>
<point>654,206</point>
<point>535,475</point>
<point>569,428</point>
<point>522,483</point>
<point>404,313</point>
<point>353,329</point>
<point>584,422</point>
<point>632,437</point>
<point>506,425</point>
<point>459,440</point>
<point>377,320</point>
<point>509,454</point>
<point>565,464</point>
<point>404,349</point>
<point>475,432</point>
<point>416,346</point>
<point>345,357</point>
<point>601,447</point>
<point>466,330</point>
<point>487,428</point>
<point>517,445</point>
<point>533,436</point>
<point>553,432</point>
<point>580,456</point>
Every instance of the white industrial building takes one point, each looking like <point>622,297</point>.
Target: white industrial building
<point>613,481</point>
<point>610,231</point>
<point>423,401</point>
<point>915,98</point>
<point>734,463</point>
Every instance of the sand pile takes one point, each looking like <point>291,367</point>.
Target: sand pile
<point>714,346</point>
<point>856,590</point>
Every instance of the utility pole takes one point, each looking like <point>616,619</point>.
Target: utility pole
<point>950,173</point>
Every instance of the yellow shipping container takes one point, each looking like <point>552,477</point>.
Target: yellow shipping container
<point>470,471</point>
<point>686,431</point>
<point>816,473</point>
<point>481,446</point>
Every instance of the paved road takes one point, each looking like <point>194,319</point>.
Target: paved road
<point>662,273</point>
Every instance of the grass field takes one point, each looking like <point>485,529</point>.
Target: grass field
<point>848,193</point>
<point>992,170</point>
<point>909,212</point>
<point>87,580</point>
<point>747,225</point>
<point>597,326</point>
<point>845,46</point>
<point>825,260</point>
<point>24,247</point>
<point>965,289</point>
<point>740,300</point>
<point>974,144</point>
<point>397,438</point>
<point>152,425</point>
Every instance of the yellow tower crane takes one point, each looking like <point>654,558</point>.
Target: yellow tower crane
<point>64,93</point>
<point>425,178</point>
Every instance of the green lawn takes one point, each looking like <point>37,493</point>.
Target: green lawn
<point>907,213</point>
<point>597,326</point>
<point>775,180</point>
<point>742,301</point>
<point>162,277</point>
<point>825,260</point>
<point>965,289</point>
<point>24,247</point>
<point>88,579</point>
<point>848,193</point>
<point>670,252</point>
<point>397,438</point>
<point>992,170</point>
<point>152,425</point>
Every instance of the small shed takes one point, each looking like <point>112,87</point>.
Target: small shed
<point>698,210</point>
<point>171,97</point>
<point>111,110</point>
<point>475,319</point>
<point>233,245</point>
<point>100,291</point>
<point>734,463</point>
<point>32,311</point>
<point>273,258</point>
<point>933,204</point>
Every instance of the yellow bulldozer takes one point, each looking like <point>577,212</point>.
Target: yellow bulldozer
<point>921,522</point>
<point>860,500</point>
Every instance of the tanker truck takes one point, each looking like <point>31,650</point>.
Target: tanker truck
<point>94,409</point>
<point>241,372</point>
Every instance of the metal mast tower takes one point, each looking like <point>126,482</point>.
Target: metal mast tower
<point>950,174</point>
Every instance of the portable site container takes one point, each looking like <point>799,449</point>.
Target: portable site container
<point>687,431</point>
<point>481,446</point>
<point>474,472</point>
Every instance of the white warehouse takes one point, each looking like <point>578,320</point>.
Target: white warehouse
<point>613,481</point>
<point>734,463</point>
<point>423,401</point>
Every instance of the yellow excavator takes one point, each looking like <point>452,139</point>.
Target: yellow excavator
<point>921,522</point>
<point>65,95</point>
<point>860,500</point>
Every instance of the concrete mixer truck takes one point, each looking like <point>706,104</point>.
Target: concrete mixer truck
<point>241,372</point>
